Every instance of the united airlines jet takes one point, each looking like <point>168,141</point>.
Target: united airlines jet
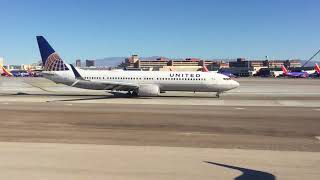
<point>136,83</point>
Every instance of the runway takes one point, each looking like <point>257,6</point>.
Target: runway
<point>31,161</point>
<point>252,92</point>
<point>284,128</point>
<point>267,127</point>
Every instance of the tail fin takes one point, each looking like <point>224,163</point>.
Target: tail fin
<point>30,72</point>
<point>6,72</point>
<point>284,69</point>
<point>317,68</point>
<point>205,69</point>
<point>50,59</point>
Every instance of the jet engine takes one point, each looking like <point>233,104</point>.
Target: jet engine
<point>148,90</point>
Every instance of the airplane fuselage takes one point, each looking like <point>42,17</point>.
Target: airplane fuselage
<point>166,81</point>
<point>136,83</point>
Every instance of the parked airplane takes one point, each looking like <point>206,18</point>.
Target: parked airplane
<point>294,74</point>
<point>230,75</point>
<point>14,73</point>
<point>136,83</point>
<point>6,72</point>
<point>32,73</point>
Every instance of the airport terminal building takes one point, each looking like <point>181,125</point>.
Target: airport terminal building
<point>239,66</point>
<point>164,64</point>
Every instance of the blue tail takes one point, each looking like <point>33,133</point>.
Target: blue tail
<point>45,49</point>
<point>51,61</point>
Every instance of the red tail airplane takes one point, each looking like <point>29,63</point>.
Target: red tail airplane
<point>6,72</point>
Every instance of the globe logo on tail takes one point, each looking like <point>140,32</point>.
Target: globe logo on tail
<point>55,63</point>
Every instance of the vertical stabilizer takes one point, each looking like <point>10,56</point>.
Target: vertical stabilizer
<point>284,69</point>
<point>51,61</point>
<point>6,72</point>
<point>205,69</point>
<point>317,68</point>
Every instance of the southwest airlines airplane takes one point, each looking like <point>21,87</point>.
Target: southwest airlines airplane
<point>294,74</point>
<point>6,72</point>
<point>136,83</point>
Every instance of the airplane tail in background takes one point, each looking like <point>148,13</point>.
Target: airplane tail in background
<point>205,69</point>
<point>30,72</point>
<point>284,69</point>
<point>317,68</point>
<point>51,61</point>
<point>6,72</point>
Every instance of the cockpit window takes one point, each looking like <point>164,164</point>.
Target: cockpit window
<point>227,79</point>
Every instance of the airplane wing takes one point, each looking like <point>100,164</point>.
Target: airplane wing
<point>119,86</point>
<point>305,75</point>
<point>108,85</point>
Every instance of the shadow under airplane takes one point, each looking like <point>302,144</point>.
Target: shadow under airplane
<point>247,174</point>
<point>80,97</point>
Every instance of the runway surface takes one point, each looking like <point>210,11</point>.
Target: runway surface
<point>65,161</point>
<point>267,127</point>
<point>252,92</point>
<point>272,128</point>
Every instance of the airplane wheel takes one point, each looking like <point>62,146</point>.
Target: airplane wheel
<point>218,94</point>
<point>134,93</point>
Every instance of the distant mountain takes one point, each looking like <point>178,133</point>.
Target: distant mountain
<point>110,61</point>
<point>153,58</point>
<point>310,63</point>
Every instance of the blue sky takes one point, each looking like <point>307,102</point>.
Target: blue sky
<point>88,29</point>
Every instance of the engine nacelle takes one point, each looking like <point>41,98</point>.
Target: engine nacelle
<point>148,90</point>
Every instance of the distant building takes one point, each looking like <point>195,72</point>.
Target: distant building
<point>241,62</point>
<point>131,60</point>
<point>242,67</point>
<point>164,64</point>
<point>90,63</point>
<point>25,66</point>
<point>13,67</point>
<point>78,63</point>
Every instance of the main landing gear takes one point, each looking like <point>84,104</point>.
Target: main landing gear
<point>218,94</point>
<point>132,93</point>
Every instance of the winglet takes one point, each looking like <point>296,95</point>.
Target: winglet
<point>76,73</point>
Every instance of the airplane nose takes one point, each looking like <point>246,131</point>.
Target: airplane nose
<point>235,84</point>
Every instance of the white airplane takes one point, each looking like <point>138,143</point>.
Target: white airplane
<point>136,83</point>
